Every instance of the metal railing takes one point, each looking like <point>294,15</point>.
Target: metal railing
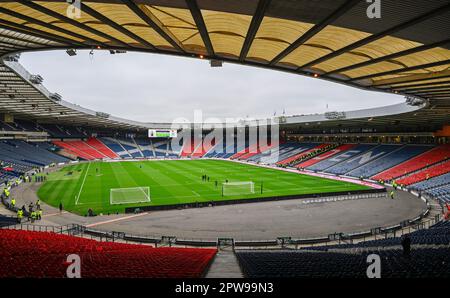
<point>399,230</point>
<point>423,221</point>
<point>64,229</point>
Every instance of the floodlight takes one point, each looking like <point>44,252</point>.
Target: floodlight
<point>71,52</point>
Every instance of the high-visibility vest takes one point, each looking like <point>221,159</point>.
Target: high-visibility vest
<point>19,213</point>
<point>13,202</point>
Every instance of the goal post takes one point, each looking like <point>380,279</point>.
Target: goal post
<point>238,188</point>
<point>129,195</point>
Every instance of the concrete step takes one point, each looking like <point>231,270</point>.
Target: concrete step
<point>225,265</point>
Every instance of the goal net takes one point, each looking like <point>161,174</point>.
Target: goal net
<point>129,195</point>
<point>238,188</point>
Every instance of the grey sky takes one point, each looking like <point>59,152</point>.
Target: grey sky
<point>148,87</point>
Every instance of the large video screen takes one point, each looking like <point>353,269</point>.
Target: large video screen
<point>162,133</point>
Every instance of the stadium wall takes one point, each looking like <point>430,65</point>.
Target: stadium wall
<point>253,200</point>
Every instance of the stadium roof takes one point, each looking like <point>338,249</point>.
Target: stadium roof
<point>406,51</point>
<point>26,99</point>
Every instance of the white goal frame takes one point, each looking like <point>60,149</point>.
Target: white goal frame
<point>141,193</point>
<point>239,183</point>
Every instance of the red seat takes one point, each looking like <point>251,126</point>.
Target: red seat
<point>430,172</point>
<point>251,148</point>
<point>259,149</point>
<point>73,150</point>
<point>100,147</point>
<point>430,157</point>
<point>202,149</point>
<point>43,254</point>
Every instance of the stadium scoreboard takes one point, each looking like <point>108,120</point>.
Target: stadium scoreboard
<point>162,133</point>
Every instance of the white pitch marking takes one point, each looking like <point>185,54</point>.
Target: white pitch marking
<point>82,184</point>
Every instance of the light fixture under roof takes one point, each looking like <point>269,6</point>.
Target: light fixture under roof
<point>215,63</point>
<point>71,52</point>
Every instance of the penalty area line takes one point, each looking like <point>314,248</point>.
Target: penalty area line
<point>82,184</point>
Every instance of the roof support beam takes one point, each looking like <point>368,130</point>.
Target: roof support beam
<point>391,56</point>
<point>400,70</point>
<point>253,28</point>
<point>46,25</point>
<point>21,39</point>
<point>8,44</point>
<point>200,23</point>
<point>92,12</point>
<point>315,29</point>
<point>151,20</point>
<point>35,32</point>
<point>413,78</point>
<point>68,20</point>
<point>421,85</point>
<point>9,49</point>
<point>374,37</point>
<point>444,96</point>
<point>445,91</point>
<point>424,89</point>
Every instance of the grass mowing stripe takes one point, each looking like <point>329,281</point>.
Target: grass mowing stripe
<point>175,182</point>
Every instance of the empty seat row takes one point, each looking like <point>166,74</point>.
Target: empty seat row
<point>422,263</point>
<point>388,161</point>
<point>341,156</point>
<point>42,254</point>
<point>426,173</point>
<point>431,183</point>
<point>303,150</point>
<point>349,165</point>
<point>91,149</point>
<point>426,159</point>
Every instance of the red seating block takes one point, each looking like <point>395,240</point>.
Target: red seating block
<point>430,172</point>
<point>89,150</point>
<point>259,150</point>
<point>42,254</point>
<point>423,160</point>
<point>102,148</point>
<point>73,150</point>
<point>202,149</point>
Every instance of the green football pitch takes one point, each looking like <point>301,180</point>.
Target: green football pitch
<point>153,183</point>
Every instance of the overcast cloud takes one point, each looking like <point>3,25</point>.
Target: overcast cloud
<point>151,88</point>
